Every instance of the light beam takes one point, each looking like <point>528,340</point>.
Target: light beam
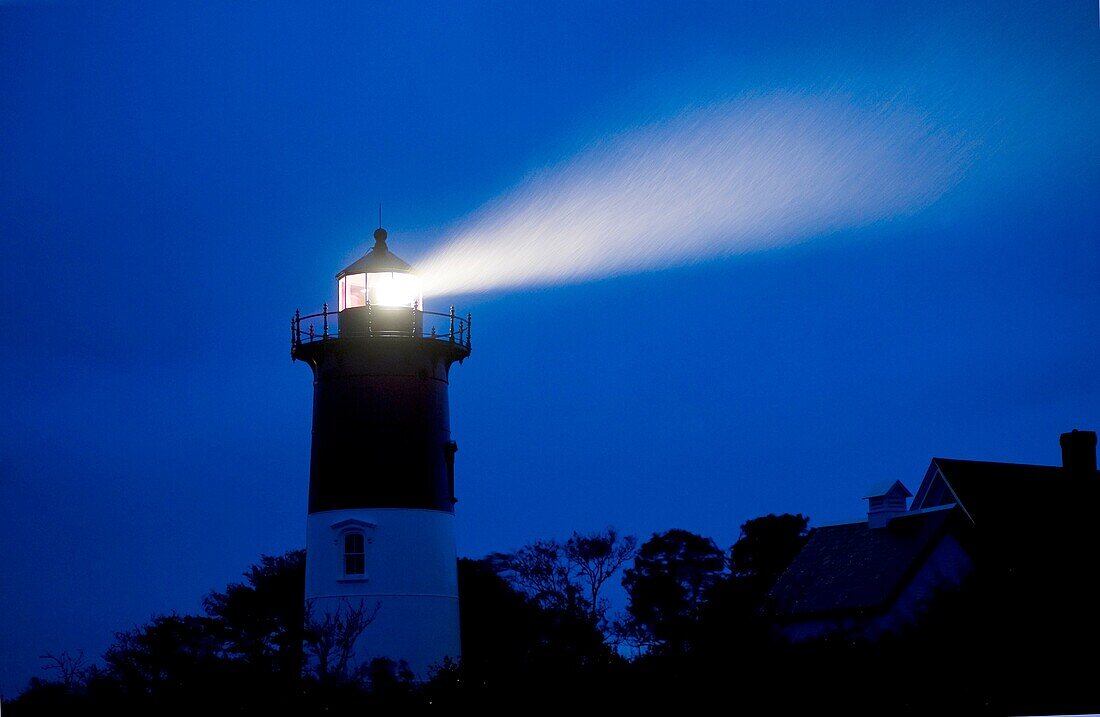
<point>717,181</point>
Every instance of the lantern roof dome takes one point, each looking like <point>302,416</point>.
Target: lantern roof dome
<point>380,258</point>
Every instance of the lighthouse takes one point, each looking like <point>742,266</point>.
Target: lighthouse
<point>380,534</point>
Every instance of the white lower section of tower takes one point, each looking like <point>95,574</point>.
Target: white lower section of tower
<point>408,569</point>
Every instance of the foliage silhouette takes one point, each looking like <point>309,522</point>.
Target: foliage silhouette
<point>667,586</point>
<point>330,638</point>
<point>1002,643</point>
<point>568,577</point>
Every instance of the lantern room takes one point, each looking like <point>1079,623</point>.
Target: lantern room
<point>380,297</point>
<point>379,279</point>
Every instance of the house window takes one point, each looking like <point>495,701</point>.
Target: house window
<point>354,555</point>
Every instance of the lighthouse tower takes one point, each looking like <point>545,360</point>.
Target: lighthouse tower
<point>380,525</point>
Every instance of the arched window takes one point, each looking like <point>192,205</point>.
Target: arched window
<point>355,562</point>
<point>351,546</point>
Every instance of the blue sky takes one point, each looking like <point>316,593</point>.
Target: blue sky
<point>176,180</point>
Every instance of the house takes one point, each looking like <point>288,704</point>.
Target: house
<point>1029,527</point>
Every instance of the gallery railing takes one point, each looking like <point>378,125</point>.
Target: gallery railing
<point>381,322</point>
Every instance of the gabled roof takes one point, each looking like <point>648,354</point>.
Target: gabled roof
<point>1037,512</point>
<point>888,488</point>
<point>853,567</point>
<point>1008,491</point>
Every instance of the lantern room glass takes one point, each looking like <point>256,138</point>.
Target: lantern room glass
<point>391,289</point>
<point>353,291</point>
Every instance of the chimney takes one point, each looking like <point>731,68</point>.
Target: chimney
<point>886,502</point>
<point>1079,451</point>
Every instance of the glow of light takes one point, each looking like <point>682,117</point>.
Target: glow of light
<point>718,181</point>
<point>392,288</point>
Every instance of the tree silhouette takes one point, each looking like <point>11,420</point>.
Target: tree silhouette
<point>1004,642</point>
<point>331,636</point>
<point>732,613</point>
<point>171,660</point>
<point>766,547</point>
<point>667,586</point>
<point>261,620</point>
<point>513,647</point>
<point>568,577</point>
<point>595,558</point>
<point>500,625</point>
<point>71,669</point>
<point>541,571</point>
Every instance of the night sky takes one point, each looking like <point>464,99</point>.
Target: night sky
<point>176,181</point>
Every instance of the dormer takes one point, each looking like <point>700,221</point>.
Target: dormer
<point>886,501</point>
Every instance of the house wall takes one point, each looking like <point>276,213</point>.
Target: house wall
<point>943,569</point>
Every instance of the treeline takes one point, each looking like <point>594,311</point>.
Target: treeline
<point>534,622</point>
<point>538,633</point>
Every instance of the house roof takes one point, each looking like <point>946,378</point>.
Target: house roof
<point>1006,491</point>
<point>887,488</point>
<point>854,567</point>
<point>1018,507</point>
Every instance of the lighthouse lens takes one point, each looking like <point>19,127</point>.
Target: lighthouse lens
<point>393,288</point>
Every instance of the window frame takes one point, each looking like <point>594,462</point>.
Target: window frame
<point>360,555</point>
<point>342,529</point>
